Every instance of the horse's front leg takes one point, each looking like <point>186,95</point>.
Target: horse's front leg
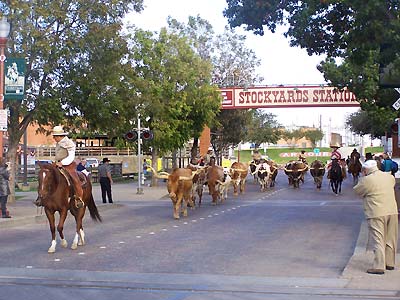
<point>60,228</point>
<point>79,238</point>
<point>51,218</point>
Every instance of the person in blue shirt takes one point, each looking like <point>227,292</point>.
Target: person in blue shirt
<point>386,163</point>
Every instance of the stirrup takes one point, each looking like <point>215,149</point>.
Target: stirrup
<point>79,202</point>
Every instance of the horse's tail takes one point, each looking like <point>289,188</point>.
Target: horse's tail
<point>94,213</point>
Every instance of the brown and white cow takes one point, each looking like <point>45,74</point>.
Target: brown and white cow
<point>223,186</point>
<point>179,185</point>
<point>264,175</point>
<point>199,180</point>
<point>317,171</point>
<point>238,174</point>
<point>274,172</point>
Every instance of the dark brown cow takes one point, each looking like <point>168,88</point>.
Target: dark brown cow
<point>317,171</point>
<point>295,171</point>
<point>238,174</point>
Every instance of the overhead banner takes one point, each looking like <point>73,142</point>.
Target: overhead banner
<point>14,78</point>
<point>287,96</point>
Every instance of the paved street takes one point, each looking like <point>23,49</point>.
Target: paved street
<point>282,244</point>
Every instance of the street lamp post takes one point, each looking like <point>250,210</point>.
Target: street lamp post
<point>139,189</point>
<point>4,32</point>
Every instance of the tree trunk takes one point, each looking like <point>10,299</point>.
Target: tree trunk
<point>154,165</point>
<point>194,150</point>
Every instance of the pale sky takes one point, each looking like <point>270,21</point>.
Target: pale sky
<point>280,63</point>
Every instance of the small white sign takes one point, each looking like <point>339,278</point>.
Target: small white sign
<point>3,119</point>
<point>396,105</point>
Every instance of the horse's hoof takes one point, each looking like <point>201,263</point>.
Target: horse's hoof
<point>64,243</point>
<point>51,251</point>
<point>74,246</point>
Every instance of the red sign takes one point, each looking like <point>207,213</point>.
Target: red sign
<point>287,96</point>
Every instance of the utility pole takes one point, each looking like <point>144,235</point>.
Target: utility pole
<point>139,189</point>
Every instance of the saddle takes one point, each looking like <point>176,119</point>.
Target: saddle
<point>81,176</point>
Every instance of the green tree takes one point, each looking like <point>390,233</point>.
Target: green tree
<point>233,65</point>
<point>263,128</point>
<point>174,88</point>
<point>370,122</point>
<point>314,135</point>
<point>359,39</point>
<point>67,46</point>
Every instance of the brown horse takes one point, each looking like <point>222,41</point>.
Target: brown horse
<point>55,194</point>
<point>355,168</point>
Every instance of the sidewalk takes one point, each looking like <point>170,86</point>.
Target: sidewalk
<point>362,259</point>
<point>23,211</point>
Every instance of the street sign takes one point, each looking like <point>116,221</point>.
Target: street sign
<point>396,105</point>
<point>14,78</point>
<point>3,119</point>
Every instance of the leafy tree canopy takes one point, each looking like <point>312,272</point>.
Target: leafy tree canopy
<point>359,39</point>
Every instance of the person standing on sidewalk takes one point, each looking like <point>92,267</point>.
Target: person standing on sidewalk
<point>105,180</point>
<point>380,208</point>
<point>4,188</point>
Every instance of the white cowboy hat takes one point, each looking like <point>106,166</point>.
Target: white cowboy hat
<point>369,164</point>
<point>58,130</point>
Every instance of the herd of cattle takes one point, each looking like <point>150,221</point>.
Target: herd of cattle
<point>185,185</point>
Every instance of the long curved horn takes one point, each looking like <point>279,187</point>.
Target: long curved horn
<point>239,170</point>
<point>162,175</point>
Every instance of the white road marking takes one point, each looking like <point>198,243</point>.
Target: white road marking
<point>103,247</point>
<point>138,236</point>
<point>175,226</point>
<point>152,232</point>
<point>29,267</point>
<point>57,259</point>
<point>81,253</point>
<point>164,229</point>
<point>122,242</point>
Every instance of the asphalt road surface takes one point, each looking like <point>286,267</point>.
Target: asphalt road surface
<point>281,244</point>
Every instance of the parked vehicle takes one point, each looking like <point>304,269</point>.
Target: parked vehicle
<point>92,162</point>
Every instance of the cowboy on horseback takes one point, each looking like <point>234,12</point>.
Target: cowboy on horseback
<point>64,157</point>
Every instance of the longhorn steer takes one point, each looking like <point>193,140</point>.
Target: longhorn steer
<point>214,175</point>
<point>317,171</point>
<point>274,172</point>
<point>238,174</point>
<point>179,185</point>
<point>223,187</point>
<point>198,182</point>
<point>295,171</point>
<point>263,172</point>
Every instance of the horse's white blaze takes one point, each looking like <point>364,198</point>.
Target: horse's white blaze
<point>52,248</point>
<point>64,243</point>
<point>75,242</point>
<point>44,176</point>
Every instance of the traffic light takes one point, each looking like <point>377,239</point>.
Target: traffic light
<point>131,136</point>
<point>146,135</point>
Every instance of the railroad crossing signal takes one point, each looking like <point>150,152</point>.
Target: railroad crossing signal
<point>145,134</point>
